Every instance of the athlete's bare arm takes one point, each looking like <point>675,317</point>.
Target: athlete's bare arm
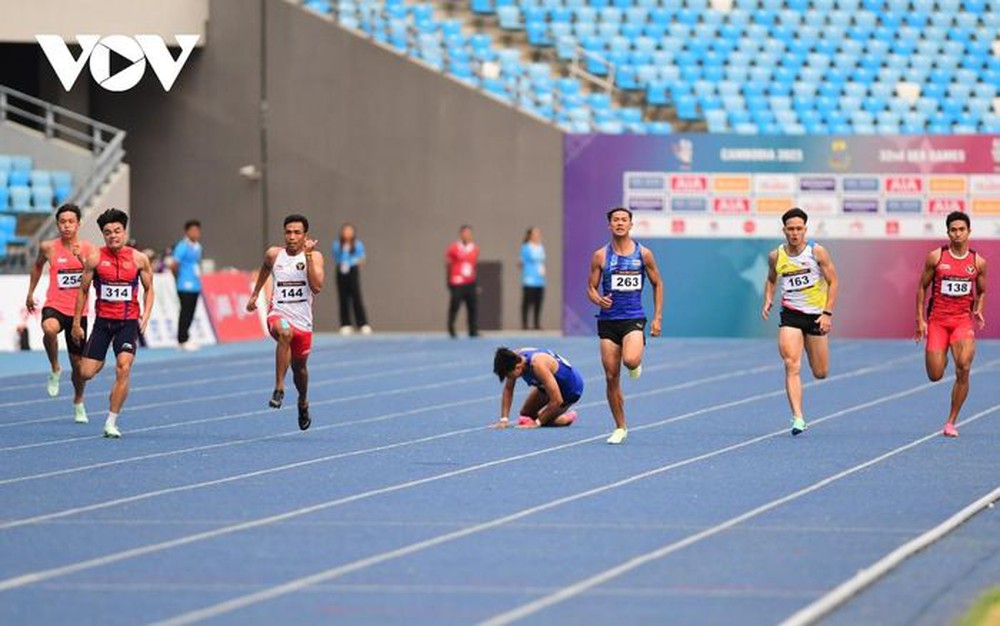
<point>90,262</point>
<point>262,276</point>
<point>36,274</point>
<point>770,283</point>
<point>832,287</point>
<point>926,276</point>
<point>977,309</point>
<point>653,274</point>
<point>146,278</point>
<point>314,266</point>
<point>506,400</point>
<point>594,280</point>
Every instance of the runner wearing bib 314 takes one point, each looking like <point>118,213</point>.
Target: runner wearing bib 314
<point>297,271</point>
<point>956,278</point>
<point>808,294</point>
<point>116,271</point>
<point>621,269</point>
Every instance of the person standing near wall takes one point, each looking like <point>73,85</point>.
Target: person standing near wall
<point>532,277</point>
<point>65,257</point>
<point>186,267</point>
<point>349,256</point>
<point>460,262</point>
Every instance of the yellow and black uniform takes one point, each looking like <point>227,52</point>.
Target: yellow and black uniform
<point>803,289</point>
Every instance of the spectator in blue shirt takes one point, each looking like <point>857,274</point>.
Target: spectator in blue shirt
<point>532,276</point>
<point>186,266</point>
<point>349,256</point>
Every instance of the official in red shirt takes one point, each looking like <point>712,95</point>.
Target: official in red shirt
<point>956,276</point>
<point>460,260</point>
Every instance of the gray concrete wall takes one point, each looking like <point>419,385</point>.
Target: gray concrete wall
<point>354,133</point>
<point>23,20</point>
<point>49,154</point>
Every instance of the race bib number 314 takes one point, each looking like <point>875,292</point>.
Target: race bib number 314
<point>626,282</point>
<point>116,293</point>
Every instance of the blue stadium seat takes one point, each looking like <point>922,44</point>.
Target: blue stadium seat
<point>4,199</point>
<point>18,177</point>
<point>20,198</point>
<point>42,198</point>
<point>5,163</point>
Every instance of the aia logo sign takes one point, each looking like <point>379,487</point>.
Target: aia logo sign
<point>117,62</point>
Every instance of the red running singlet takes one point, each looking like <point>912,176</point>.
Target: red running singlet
<point>116,281</point>
<point>953,291</point>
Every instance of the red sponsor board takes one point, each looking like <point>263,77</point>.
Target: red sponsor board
<point>226,295</point>
<point>678,226</point>
<point>688,183</point>
<point>946,205</point>
<point>904,184</point>
<point>892,227</point>
<point>731,205</point>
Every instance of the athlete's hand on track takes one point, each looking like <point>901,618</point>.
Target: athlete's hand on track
<point>29,303</point>
<point>921,331</point>
<point>500,424</point>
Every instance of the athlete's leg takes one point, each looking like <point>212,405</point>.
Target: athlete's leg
<point>51,328</point>
<point>300,376</point>
<point>281,330</point>
<point>534,403</point>
<point>89,368</point>
<point>455,300</point>
<point>472,309</point>
<point>632,348</point>
<point>611,359</point>
<point>818,351</point>
<point>790,346</point>
<point>123,378</point>
<point>963,352</point>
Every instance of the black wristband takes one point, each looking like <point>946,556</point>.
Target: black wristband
<point>828,313</point>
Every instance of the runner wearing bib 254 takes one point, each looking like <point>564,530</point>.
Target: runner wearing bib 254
<point>956,278</point>
<point>809,288</point>
<point>116,271</point>
<point>64,256</point>
<point>621,268</point>
<point>297,273</point>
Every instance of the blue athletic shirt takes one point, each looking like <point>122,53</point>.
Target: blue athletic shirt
<point>569,380</point>
<point>533,262</point>
<point>188,257</point>
<point>623,279</point>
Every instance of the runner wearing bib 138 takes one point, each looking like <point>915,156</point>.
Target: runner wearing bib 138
<point>116,271</point>
<point>621,269</point>
<point>297,273</point>
<point>956,278</point>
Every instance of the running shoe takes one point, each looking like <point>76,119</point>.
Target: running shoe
<point>526,420</point>
<point>798,426</point>
<point>618,436</point>
<point>636,373</point>
<point>304,421</point>
<point>80,414</point>
<point>112,432</point>
<point>570,417</point>
<point>276,398</point>
<point>950,430</point>
<point>52,383</point>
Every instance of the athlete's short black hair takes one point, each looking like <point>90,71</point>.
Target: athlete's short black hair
<point>111,216</point>
<point>794,212</point>
<point>68,207</point>
<point>620,208</point>
<point>504,362</point>
<point>957,215</point>
<point>295,217</point>
<point>188,224</point>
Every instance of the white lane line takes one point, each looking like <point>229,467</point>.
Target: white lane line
<point>598,579</point>
<point>332,573</point>
<point>34,577</point>
<point>869,575</point>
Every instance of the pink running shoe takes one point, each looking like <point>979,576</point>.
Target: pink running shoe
<point>950,430</point>
<point>570,416</point>
<point>525,420</point>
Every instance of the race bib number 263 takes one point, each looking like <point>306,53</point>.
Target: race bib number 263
<point>626,282</point>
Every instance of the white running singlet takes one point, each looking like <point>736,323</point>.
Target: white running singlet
<point>292,298</point>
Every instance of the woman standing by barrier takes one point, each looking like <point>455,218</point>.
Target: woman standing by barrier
<point>532,276</point>
<point>349,255</point>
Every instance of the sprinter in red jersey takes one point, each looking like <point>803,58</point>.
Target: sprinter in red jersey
<point>116,271</point>
<point>65,258</point>
<point>956,276</point>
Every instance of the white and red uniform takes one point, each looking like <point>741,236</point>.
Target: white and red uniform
<point>953,295</point>
<point>292,299</point>
<point>462,259</point>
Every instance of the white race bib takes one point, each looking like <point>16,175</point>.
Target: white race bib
<point>116,293</point>
<point>797,282</point>
<point>950,287</point>
<point>286,294</point>
<point>626,282</point>
<point>69,280</point>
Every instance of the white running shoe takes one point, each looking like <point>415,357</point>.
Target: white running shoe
<point>618,436</point>
<point>636,373</point>
<point>366,330</point>
<point>112,432</point>
<point>52,383</point>
<point>346,330</point>
<point>80,414</point>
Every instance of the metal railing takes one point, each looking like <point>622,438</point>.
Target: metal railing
<point>105,142</point>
